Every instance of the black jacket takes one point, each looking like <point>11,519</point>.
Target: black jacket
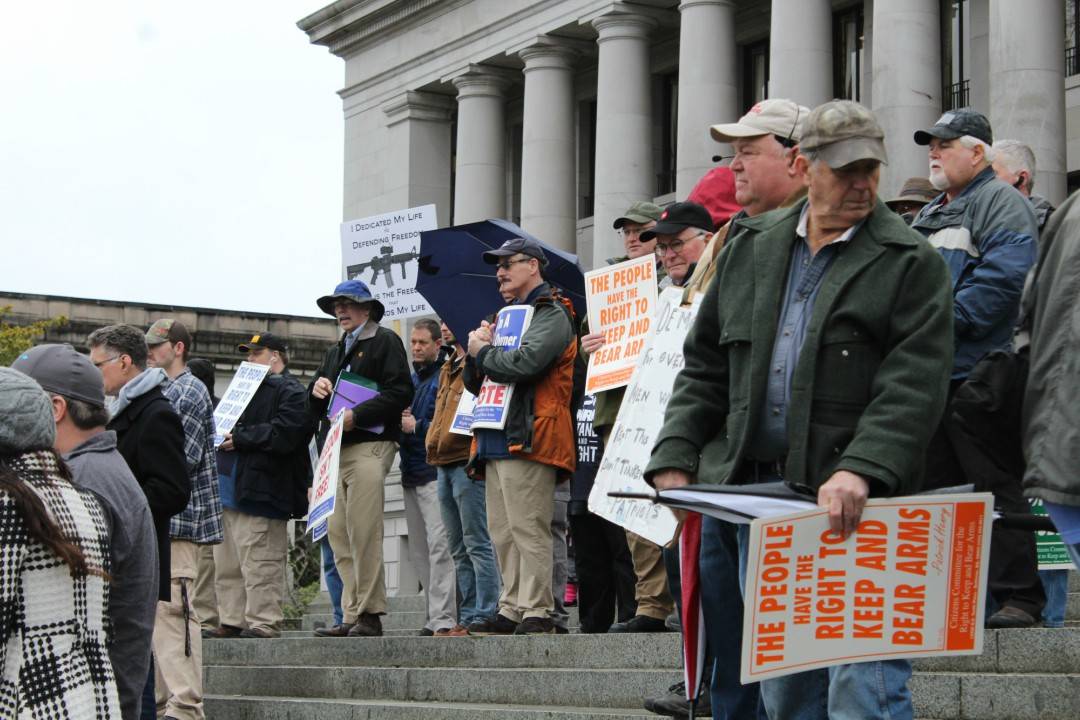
<point>270,440</point>
<point>379,355</point>
<point>151,439</point>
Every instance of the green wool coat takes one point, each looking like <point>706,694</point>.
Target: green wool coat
<point>871,381</point>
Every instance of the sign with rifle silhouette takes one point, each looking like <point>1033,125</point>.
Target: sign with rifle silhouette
<point>383,251</point>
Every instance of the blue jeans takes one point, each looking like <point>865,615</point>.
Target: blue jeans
<point>333,580</point>
<point>856,691</point>
<point>1056,585</point>
<point>722,571</point>
<point>464,512</point>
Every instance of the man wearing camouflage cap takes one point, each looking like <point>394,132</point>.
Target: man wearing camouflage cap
<point>840,398</point>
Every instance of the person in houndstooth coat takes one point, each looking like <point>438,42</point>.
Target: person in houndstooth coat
<point>54,572</point>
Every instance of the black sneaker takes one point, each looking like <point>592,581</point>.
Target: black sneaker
<point>673,703</point>
<point>494,625</point>
<point>640,624</point>
<point>426,632</point>
<point>536,626</point>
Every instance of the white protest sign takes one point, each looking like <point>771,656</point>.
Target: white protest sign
<point>384,252</point>
<point>241,389</point>
<point>910,582</point>
<point>621,300</point>
<point>463,416</point>
<point>638,423</point>
<point>493,401</point>
<point>325,480</point>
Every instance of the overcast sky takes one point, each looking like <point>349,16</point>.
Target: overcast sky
<point>186,153</point>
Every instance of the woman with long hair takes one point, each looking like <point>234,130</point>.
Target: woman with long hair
<point>54,582</point>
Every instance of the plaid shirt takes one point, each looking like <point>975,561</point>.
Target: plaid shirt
<point>54,661</point>
<point>200,521</point>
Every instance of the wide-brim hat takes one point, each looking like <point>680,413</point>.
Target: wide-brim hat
<point>915,190</point>
<point>355,291</point>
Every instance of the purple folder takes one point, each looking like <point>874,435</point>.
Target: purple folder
<point>351,390</point>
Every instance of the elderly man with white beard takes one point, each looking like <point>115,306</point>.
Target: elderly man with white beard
<point>986,231</point>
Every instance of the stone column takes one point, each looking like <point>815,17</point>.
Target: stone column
<point>624,148</point>
<point>800,51</point>
<point>480,182</point>
<point>708,90</point>
<point>548,187</point>
<point>419,170</point>
<point>906,84</point>
<point>1027,97</point>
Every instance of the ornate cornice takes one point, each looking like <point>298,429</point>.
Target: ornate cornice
<point>416,105</point>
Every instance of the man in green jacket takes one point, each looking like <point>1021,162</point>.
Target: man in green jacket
<point>820,356</point>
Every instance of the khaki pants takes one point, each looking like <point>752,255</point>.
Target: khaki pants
<point>651,591</point>
<point>250,570</point>
<point>356,527</point>
<point>520,504</point>
<point>206,605</point>
<point>429,552</point>
<point>178,683</point>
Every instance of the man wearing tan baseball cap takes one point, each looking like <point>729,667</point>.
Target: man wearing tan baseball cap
<point>763,140</point>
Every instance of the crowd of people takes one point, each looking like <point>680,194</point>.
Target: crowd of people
<point>850,347</point>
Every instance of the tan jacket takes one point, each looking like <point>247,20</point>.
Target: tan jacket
<point>443,446</point>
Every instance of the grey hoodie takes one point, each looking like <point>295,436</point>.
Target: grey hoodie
<point>97,466</point>
<point>138,386</point>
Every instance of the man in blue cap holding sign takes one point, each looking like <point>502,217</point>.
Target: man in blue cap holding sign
<point>368,447</point>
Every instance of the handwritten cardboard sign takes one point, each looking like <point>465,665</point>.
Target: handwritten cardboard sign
<point>384,251</point>
<point>910,582</point>
<point>325,480</point>
<point>493,400</point>
<point>638,423</point>
<point>241,389</point>
<point>621,299</point>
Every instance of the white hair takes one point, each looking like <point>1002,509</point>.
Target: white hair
<point>971,143</point>
<point>1016,156</point>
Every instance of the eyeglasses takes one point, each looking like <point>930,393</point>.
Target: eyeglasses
<point>675,245</point>
<point>107,361</point>
<point>507,264</point>
<point>631,232</point>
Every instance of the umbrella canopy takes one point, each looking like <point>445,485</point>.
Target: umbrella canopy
<point>462,288</point>
<point>693,617</point>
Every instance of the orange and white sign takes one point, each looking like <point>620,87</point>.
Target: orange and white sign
<point>622,300</point>
<point>910,582</point>
<point>325,480</point>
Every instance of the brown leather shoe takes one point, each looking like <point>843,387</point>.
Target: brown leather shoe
<point>367,625</point>
<point>222,632</point>
<point>340,630</point>
<point>456,631</point>
<point>261,633</point>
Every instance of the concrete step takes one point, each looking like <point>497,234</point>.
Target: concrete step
<point>1020,696</point>
<point>220,707</point>
<point>581,687</point>
<point>636,651</point>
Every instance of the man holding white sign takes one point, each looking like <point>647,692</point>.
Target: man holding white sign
<point>264,473</point>
<point>820,356</point>
<point>522,462</point>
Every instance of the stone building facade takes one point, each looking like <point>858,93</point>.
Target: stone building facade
<point>559,113</point>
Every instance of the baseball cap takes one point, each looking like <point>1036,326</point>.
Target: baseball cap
<point>515,246</point>
<point>60,369</point>
<point>264,340</point>
<point>842,132</point>
<point>640,213</point>
<point>168,330</point>
<point>775,116</point>
<point>957,123</point>
<point>679,216</point>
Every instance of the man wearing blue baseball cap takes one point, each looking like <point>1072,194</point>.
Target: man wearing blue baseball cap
<point>368,447</point>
